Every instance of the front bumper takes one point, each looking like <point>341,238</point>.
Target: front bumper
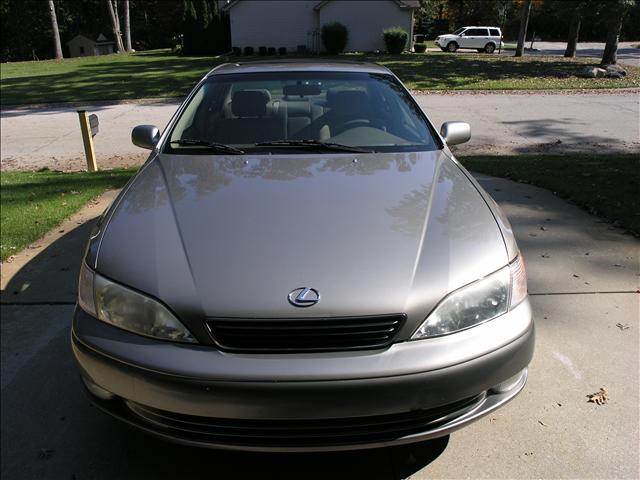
<point>300,401</point>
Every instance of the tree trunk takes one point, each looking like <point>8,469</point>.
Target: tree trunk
<point>524,23</point>
<point>115,25</point>
<point>574,32</point>
<point>614,26</point>
<point>56,32</point>
<point>127,27</point>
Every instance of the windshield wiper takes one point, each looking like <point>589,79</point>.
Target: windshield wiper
<point>315,144</point>
<point>219,147</point>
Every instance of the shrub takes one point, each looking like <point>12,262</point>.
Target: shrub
<point>248,51</point>
<point>395,39</point>
<point>334,37</point>
<point>282,51</point>
<point>420,47</point>
<point>262,51</point>
<point>236,51</point>
<point>271,51</point>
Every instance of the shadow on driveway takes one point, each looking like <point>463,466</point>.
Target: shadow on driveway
<point>50,429</point>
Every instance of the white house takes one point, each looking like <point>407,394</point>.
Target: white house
<point>83,46</point>
<point>296,24</point>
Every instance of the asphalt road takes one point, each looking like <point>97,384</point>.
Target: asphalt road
<point>583,279</point>
<point>627,55</point>
<point>501,124</point>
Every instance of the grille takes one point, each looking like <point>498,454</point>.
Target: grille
<point>268,335</point>
<point>323,432</point>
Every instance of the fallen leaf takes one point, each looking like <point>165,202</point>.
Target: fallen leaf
<point>542,423</point>
<point>545,255</point>
<point>600,397</point>
<point>542,228</point>
<point>622,327</point>
<point>576,276</point>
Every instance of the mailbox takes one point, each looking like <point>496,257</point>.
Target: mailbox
<point>93,124</point>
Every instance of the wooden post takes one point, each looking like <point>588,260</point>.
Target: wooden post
<point>87,139</point>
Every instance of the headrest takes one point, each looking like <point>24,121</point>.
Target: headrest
<point>250,103</point>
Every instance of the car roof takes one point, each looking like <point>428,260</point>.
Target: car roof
<point>297,65</point>
<point>480,26</point>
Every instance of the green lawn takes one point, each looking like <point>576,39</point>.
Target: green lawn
<point>32,203</point>
<point>605,185</point>
<point>159,73</point>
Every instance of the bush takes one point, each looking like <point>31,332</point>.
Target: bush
<point>395,39</point>
<point>334,37</point>
<point>262,51</point>
<point>420,47</point>
<point>271,51</point>
<point>236,51</point>
<point>248,51</point>
<point>282,51</point>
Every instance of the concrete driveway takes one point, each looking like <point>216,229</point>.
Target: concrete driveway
<point>583,278</point>
<point>501,123</point>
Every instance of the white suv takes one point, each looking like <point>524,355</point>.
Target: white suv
<point>483,39</point>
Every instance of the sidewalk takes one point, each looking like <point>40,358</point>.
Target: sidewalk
<point>583,277</point>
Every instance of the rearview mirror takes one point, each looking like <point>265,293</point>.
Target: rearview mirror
<point>455,133</point>
<point>301,90</point>
<point>145,136</point>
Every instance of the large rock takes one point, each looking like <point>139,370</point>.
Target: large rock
<point>615,71</point>
<point>594,72</point>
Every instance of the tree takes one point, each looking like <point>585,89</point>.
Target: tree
<point>56,32</point>
<point>205,31</point>
<point>115,24</point>
<point>574,29</point>
<point>615,17</point>
<point>524,22</point>
<point>127,27</point>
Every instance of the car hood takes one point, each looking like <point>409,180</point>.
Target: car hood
<point>232,236</point>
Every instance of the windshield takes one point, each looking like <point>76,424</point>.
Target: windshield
<point>292,111</point>
<point>459,31</point>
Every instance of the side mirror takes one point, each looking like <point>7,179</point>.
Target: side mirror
<point>455,133</point>
<point>145,136</point>
<point>461,35</point>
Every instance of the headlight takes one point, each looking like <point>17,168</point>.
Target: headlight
<point>125,308</point>
<point>478,302</point>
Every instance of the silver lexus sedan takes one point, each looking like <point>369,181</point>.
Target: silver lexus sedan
<point>302,264</point>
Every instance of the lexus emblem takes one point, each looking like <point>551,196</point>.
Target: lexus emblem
<point>304,297</point>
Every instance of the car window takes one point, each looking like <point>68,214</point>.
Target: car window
<point>476,32</point>
<point>494,32</point>
<point>362,110</point>
<point>459,31</point>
